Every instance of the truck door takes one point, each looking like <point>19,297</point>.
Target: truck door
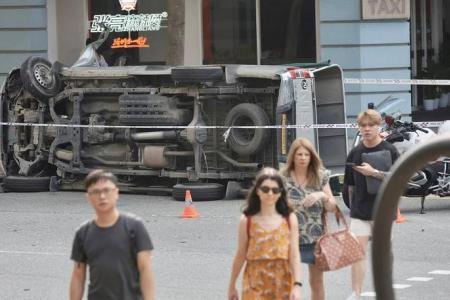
<point>330,109</point>
<point>314,97</point>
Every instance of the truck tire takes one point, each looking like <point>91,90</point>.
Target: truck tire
<point>26,184</point>
<point>199,191</point>
<point>39,79</point>
<point>203,74</point>
<point>247,141</point>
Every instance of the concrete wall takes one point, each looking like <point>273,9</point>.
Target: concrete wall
<point>71,29</point>
<point>22,32</point>
<point>193,43</point>
<point>366,49</point>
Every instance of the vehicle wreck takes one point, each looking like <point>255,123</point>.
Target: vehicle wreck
<point>162,128</point>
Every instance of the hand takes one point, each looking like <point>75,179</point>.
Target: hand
<point>365,169</point>
<point>312,198</point>
<point>295,293</point>
<point>233,294</point>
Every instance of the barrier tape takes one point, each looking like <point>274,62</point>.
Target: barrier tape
<point>296,126</point>
<point>396,81</point>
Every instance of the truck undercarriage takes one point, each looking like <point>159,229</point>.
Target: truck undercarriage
<point>150,128</point>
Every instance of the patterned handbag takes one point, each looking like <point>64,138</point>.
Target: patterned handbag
<point>335,250</point>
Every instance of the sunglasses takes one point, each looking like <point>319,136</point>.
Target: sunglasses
<point>266,189</point>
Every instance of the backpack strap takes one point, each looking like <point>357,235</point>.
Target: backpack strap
<point>131,234</point>
<point>84,232</point>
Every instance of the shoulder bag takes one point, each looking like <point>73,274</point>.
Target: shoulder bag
<point>335,250</point>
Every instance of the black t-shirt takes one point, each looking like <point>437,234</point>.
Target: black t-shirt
<point>110,254</point>
<point>362,201</point>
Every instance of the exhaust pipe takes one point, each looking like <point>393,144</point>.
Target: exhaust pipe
<point>154,135</point>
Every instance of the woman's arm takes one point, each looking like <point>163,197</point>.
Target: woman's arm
<point>294,255</point>
<point>329,201</point>
<point>239,258</point>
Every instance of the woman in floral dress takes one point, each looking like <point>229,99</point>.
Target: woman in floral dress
<point>267,243</point>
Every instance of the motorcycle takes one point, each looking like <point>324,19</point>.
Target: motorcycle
<point>434,178</point>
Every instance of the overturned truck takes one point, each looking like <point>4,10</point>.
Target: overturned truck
<point>160,128</point>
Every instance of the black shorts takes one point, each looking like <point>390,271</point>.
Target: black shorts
<point>307,253</point>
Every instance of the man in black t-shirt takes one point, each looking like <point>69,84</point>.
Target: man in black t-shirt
<point>116,247</point>
<point>360,177</point>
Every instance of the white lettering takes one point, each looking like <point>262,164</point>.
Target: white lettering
<point>396,6</point>
<point>383,7</point>
<point>373,4</point>
<point>125,23</point>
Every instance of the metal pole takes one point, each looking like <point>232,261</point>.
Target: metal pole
<point>258,32</point>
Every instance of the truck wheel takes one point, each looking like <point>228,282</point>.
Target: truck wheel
<point>247,141</point>
<point>38,78</point>
<point>199,191</point>
<point>26,184</point>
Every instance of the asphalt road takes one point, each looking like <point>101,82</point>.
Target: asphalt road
<point>192,258</point>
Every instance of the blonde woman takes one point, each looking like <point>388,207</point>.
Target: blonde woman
<point>310,193</point>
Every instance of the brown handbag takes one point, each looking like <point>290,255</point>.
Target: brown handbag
<point>335,250</point>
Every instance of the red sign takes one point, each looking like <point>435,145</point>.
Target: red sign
<point>140,42</point>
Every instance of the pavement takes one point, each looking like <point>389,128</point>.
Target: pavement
<point>193,257</point>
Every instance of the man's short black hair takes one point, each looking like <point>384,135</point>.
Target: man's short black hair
<point>99,175</point>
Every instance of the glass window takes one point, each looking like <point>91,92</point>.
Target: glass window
<point>229,31</point>
<point>288,31</point>
<point>157,42</point>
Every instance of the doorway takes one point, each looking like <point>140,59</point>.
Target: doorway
<point>430,54</point>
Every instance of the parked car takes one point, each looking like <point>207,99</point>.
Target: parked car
<point>162,128</point>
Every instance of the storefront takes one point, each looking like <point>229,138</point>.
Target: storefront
<point>406,39</point>
<point>430,57</point>
<point>215,31</point>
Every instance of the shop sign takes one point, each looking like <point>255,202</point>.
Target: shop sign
<point>127,23</point>
<point>140,42</point>
<point>385,9</point>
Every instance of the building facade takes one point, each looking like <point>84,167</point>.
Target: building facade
<point>367,38</point>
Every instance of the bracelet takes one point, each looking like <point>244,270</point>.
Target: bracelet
<point>298,283</point>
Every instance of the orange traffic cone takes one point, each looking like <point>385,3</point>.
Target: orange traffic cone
<point>400,218</point>
<point>189,210</point>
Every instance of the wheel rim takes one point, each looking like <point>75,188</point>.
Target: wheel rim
<point>44,76</point>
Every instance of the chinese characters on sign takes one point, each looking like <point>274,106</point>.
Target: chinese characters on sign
<point>140,42</point>
<point>127,23</point>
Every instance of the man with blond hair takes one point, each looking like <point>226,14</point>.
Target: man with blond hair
<point>359,177</point>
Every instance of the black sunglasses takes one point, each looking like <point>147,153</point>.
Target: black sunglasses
<point>266,189</point>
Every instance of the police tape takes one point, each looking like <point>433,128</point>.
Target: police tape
<point>292,126</point>
<point>396,81</point>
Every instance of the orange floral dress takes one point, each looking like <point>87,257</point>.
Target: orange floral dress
<point>267,275</point>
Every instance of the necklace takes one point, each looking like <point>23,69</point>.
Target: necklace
<point>298,182</point>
